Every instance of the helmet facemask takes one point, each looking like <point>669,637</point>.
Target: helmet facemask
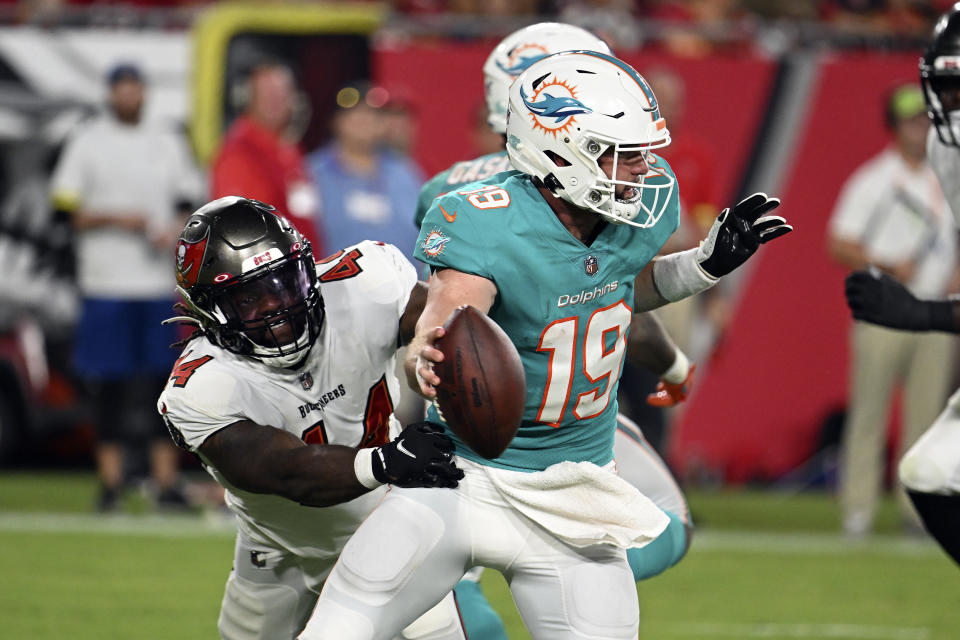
<point>272,314</point>
<point>641,201</point>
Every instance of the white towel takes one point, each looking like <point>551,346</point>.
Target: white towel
<point>582,504</point>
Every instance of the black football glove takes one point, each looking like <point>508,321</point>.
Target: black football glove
<point>421,456</point>
<point>738,233</point>
<point>880,299</point>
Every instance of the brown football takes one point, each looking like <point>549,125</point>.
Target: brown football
<point>482,387</point>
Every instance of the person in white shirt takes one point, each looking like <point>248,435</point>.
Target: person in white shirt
<point>892,215</point>
<point>126,186</point>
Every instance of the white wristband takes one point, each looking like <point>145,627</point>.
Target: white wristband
<point>363,468</point>
<point>679,275</point>
<point>678,371</point>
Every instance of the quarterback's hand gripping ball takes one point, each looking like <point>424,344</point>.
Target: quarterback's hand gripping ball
<point>737,234</point>
<point>482,389</point>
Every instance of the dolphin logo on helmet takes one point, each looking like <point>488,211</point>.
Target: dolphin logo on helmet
<point>521,65</point>
<point>555,107</point>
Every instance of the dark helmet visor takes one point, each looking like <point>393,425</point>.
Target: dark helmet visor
<point>270,308</point>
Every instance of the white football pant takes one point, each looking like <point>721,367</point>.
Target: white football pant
<point>270,594</point>
<point>418,543</point>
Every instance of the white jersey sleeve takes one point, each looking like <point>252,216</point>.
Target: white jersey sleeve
<point>945,161</point>
<point>205,394</point>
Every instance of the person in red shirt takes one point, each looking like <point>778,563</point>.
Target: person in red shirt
<point>260,157</point>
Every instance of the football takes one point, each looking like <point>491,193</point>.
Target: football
<point>482,387</point>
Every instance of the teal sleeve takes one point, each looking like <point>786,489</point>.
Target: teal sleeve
<point>661,554</point>
<point>480,621</point>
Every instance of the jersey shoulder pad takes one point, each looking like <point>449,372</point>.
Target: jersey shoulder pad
<point>368,277</point>
<point>205,392</point>
<point>369,260</point>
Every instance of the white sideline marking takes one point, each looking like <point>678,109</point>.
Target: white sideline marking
<point>215,524</point>
<point>163,526</point>
<point>776,630</point>
<point>809,543</point>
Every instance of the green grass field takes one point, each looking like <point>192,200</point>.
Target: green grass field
<point>762,565</point>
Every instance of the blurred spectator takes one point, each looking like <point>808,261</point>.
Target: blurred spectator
<point>493,7</point>
<point>367,191</point>
<point>124,185</point>
<point>611,20</point>
<point>260,157</point>
<point>399,123</point>
<point>892,215</point>
<point>699,27</point>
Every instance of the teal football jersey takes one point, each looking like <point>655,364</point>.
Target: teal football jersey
<point>458,175</point>
<point>566,306</point>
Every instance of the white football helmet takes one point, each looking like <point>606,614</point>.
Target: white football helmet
<point>566,110</point>
<point>518,51</point>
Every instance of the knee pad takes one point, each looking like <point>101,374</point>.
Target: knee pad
<point>442,622</point>
<point>378,560</point>
<point>258,611</point>
<point>347,624</point>
<point>601,600</point>
<point>919,473</point>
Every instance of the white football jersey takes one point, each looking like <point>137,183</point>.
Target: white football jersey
<point>343,394</point>
<point>945,161</point>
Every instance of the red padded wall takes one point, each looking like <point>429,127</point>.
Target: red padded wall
<point>783,364</point>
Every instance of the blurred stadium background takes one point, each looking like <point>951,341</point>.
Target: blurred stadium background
<point>783,97</point>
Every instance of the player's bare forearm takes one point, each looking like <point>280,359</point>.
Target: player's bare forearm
<point>412,312</point>
<point>262,459</point>
<point>650,347</point>
<point>646,297</point>
<point>448,290</point>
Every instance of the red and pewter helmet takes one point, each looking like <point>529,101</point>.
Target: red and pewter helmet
<point>249,277</point>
